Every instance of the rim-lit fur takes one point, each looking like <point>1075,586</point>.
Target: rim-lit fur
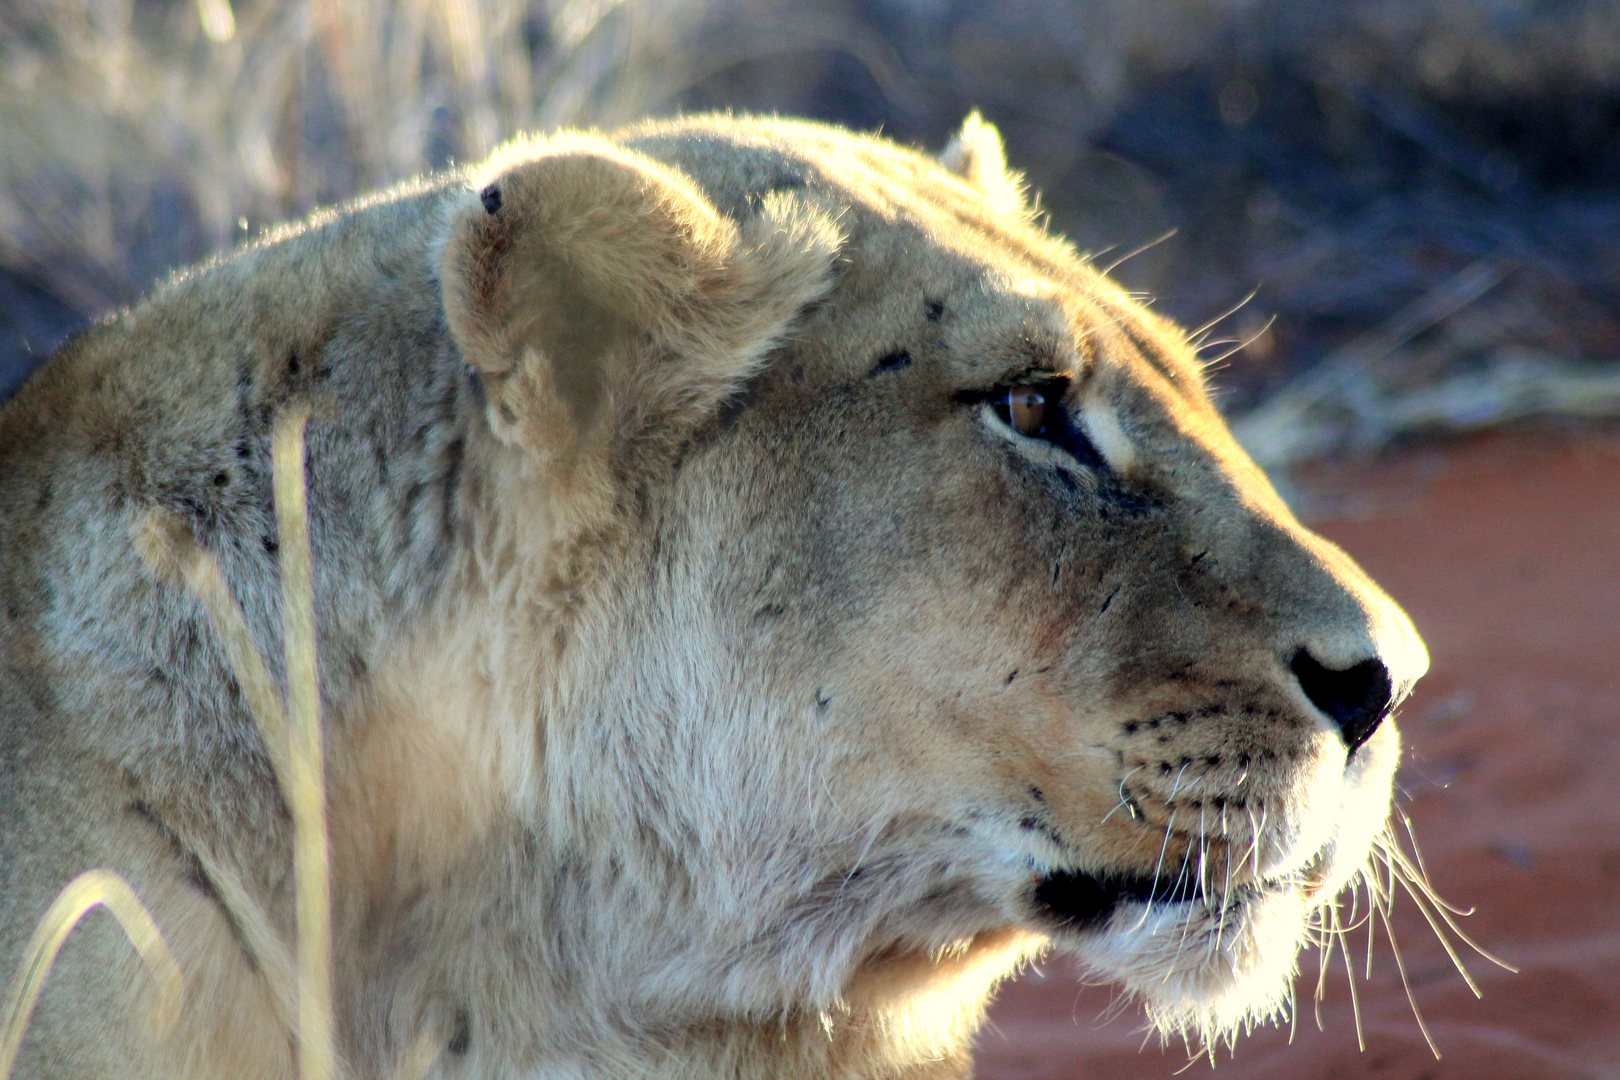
<point>711,676</point>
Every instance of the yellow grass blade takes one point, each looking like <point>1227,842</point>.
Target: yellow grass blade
<point>292,736</point>
<point>81,894</point>
<point>169,550</point>
<point>306,791</point>
<point>419,1058</point>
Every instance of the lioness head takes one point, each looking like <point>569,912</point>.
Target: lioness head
<point>909,605</point>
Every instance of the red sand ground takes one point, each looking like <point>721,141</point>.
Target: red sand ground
<point>1506,551</point>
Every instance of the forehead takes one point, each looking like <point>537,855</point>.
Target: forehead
<point>962,314</point>
<point>977,302</point>
<point>926,267</point>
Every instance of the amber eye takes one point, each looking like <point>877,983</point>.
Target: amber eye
<point>1035,410</point>
<point>1026,409</point>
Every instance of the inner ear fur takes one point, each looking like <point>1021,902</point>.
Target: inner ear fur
<point>601,296</point>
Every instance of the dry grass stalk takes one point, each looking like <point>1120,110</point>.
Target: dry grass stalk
<point>297,757</point>
<point>306,791</point>
<point>84,892</point>
<point>172,553</point>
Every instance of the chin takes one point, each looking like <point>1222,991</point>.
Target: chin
<point>1203,970</point>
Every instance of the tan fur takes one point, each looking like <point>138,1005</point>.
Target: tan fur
<point>714,684</point>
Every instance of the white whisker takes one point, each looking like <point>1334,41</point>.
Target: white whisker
<point>1406,984</point>
<point>1124,800</point>
<point>1350,973</point>
<point>1157,870</point>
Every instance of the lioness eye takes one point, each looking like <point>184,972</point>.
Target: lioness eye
<point>1036,410</point>
<point>1026,409</point>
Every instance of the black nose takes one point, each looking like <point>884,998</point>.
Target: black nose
<point>1357,698</point>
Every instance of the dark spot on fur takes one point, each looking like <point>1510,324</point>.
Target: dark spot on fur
<point>769,611</point>
<point>1011,675</point>
<point>293,366</point>
<point>198,879</point>
<point>461,1034</point>
<point>269,544</point>
<point>221,478</point>
<point>823,699</point>
<point>1036,794</point>
<point>507,414</point>
<point>1029,822</point>
<point>1164,768</point>
<point>46,494</point>
<point>1212,760</point>
<point>1112,497</point>
<point>934,309</point>
<point>144,811</point>
<point>733,407</point>
<point>491,198</point>
<point>1104,609</point>
<point>454,453</point>
<point>1130,729</point>
<point>1244,760</point>
<point>894,361</point>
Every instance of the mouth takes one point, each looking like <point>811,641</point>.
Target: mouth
<point>1080,901</point>
<point>1073,900</point>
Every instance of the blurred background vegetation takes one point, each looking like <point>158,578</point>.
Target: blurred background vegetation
<point>1393,216</point>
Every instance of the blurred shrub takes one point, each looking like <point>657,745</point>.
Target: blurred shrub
<point>143,134</point>
<point>1342,161</point>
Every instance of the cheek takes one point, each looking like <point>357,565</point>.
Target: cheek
<point>970,693</point>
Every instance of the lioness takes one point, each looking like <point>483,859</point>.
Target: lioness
<point>767,588</point>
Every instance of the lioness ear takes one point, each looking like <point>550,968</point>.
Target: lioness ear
<point>601,297</point>
<point>976,155</point>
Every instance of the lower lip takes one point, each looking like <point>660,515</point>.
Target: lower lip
<point>1079,901</point>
